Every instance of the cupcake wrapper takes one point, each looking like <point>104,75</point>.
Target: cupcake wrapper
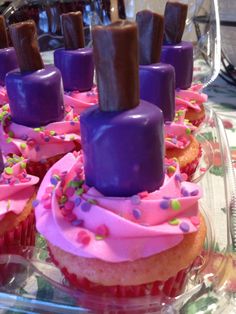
<point>39,169</point>
<point>22,235</point>
<point>197,122</point>
<point>172,287</point>
<point>191,167</point>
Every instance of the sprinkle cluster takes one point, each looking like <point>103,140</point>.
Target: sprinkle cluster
<point>12,177</point>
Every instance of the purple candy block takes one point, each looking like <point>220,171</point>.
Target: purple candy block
<point>123,150</point>
<point>181,57</point>
<point>77,68</point>
<point>35,98</point>
<point>1,163</point>
<point>8,62</point>
<point>157,85</point>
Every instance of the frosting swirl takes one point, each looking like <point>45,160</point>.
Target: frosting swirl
<point>38,144</point>
<point>82,221</point>
<point>3,95</point>
<point>190,98</point>
<point>16,186</point>
<point>178,133</point>
<point>80,101</point>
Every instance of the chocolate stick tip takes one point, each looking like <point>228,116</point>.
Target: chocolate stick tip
<point>24,39</point>
<point>115,49</point>
<point>150,34</point>
<point>73,30</point>
<point>175,19</point>
<point>4,42</point>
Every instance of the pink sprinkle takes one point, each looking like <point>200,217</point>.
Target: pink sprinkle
<point>70,191</point>
<point>46,196</point>
<point>70,216</point>
<point>83,237</point>
<point>49,189</point>
<point>102,230</point>
<point>69,205</point>
<point>24,180</point>
<point>59,192</point>
<point>203,169</point>
<point>143,194</point>
<point>195,220</point>
<point>184,176</point>
<point>47,204</point>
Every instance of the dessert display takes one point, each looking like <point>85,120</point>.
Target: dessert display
<point>35,124</point>
<point>119,219</point>
<point>18,191</point>
<point>179,54</point>
<point>76,64</point>
<point>157,85</point>
<point>8,60</point>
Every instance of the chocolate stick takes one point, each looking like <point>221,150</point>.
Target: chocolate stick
<point>115,49</point>
<point>4,43</point>
<point>24,39</point>
<point>73,30</point>
<point>175,18</point>
<point>150,32</point>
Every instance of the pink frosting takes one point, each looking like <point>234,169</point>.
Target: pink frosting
<point>178,133</point>
<point>80,101</point>
<point>38,144</point>
<point>82,221</point>
<point>3,95</point>
<point>190,98</point>
<point>16,186</point>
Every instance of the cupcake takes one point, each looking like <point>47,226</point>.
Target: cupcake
<point>36,125</point>
<point>18,192</point>
<point>121,221</point>
<point>157,85</point>
<point>8,60</point>
<point>76,64</point>
<point>179,54</point>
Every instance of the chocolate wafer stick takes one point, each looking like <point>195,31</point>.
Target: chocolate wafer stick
<point>4,42</point>
<point>24,39</point>
<point>73,30</point>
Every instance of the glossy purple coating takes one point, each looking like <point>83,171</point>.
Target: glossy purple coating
<point>35,98</point>
<point>123,150</point>
<point>8,62</point>
<point>1,163</point>
<point>77,68</point>
<point>181,57</point>
<point>157,86</point>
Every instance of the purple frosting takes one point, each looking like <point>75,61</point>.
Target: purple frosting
<point>180,56</point>
<point>123,150</point>
<point>77,68</point>
<point>8,62</point>
<point>35,98</point>
<point>157,85</point>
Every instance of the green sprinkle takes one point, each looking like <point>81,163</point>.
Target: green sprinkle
<point>5,107</point>
<point>11,134</point>
<point>23,146</point>
<point>175,204</point>
<point>23,165</point>
<point>8,204</point>
<point>8,170</point>
<point>91,201</point>
<point>76,119</point>
<point>188,131</point>
<point>63,199</point>
<point>58,178</point>
<point>79,191</point>
<point>171,169</point>
<point>9,140</point>
<point>72,138</point>
<point>37,129</point>
<point>52,133</point>
<point>99,237</point>
<point>76,184</point>
<point>180,113</point>
<point>174,222</point>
